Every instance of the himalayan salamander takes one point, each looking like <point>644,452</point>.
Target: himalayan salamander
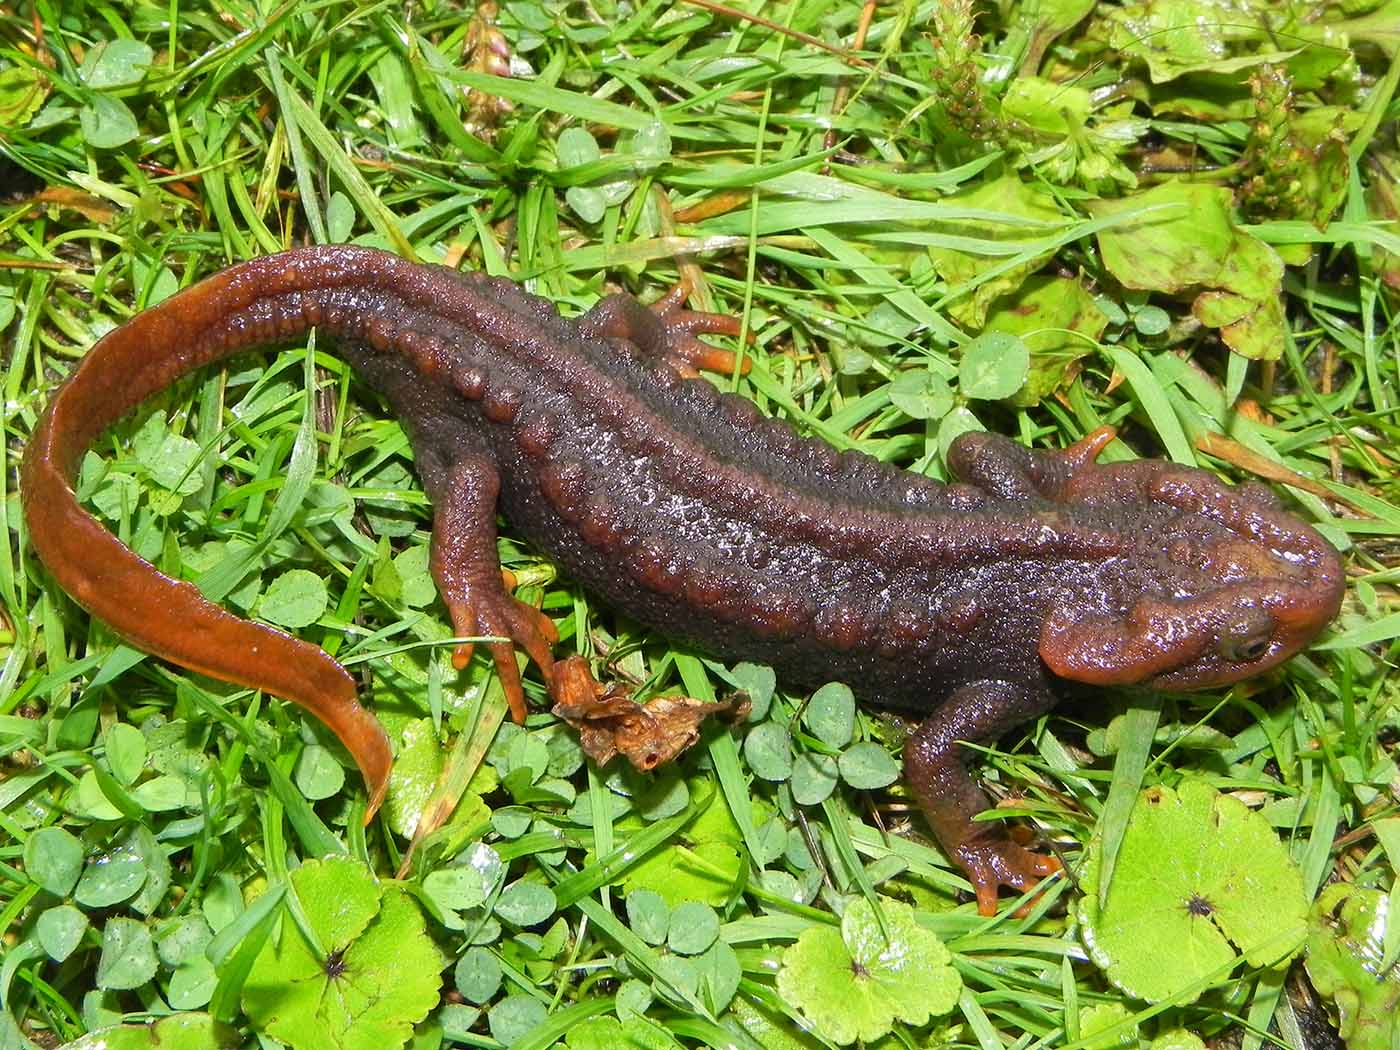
<point>688,510</point>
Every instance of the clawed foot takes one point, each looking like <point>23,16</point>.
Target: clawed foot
<point>505,616</point>
<point>995,861</point>
<point>683,326</point>
<point>666,329</point>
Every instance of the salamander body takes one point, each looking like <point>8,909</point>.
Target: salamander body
<point>967,603</point>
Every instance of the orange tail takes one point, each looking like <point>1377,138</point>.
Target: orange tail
<point>241,307</point>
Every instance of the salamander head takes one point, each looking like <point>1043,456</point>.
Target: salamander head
<point>1222,585</point>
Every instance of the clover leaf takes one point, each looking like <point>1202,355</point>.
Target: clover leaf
<point>128,957</point>
<point>372,975</point>
<point>295,599</point>
<point>60,930</point>
<point>54,859</point>
<point>853,984</point>
<point>831,714</point>
<point>418,762</point>
<point>1200,879</point>
<point>993,366</point>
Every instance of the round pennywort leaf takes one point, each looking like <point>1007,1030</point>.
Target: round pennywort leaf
<point>372,974</point>
<point>1200,880</point>
<point>1347,933</point>
<point>853,983</point>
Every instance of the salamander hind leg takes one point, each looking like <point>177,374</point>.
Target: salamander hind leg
<point>666,329</point>
<point>934,769</point>
<point>468,575</point>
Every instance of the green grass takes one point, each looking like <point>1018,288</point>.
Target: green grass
<point>850,211</point>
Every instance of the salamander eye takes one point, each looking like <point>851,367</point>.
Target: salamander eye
<point>1244,645</point>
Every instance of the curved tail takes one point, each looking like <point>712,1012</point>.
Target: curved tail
<point>247,305</point>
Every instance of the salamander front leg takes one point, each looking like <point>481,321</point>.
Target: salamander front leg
<point>665,328</point>
<point>934,768</point>
<point>468,575</point>
<point>1000,466</point>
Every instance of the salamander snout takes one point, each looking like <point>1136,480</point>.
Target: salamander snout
<point>1226,610</point>
<point>1247,628</point>
<point>1266,583</point>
